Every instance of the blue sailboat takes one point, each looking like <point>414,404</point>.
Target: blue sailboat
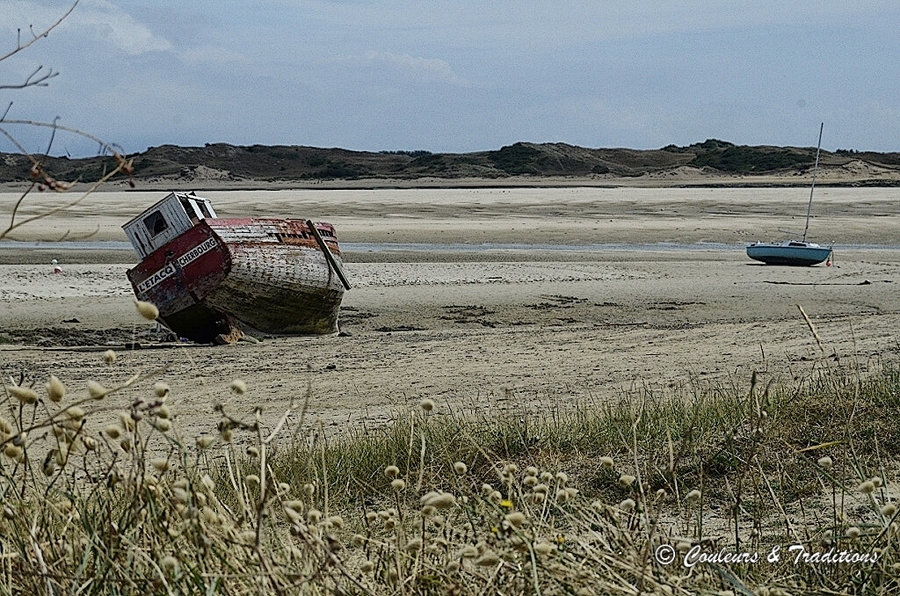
<point>797,253</point>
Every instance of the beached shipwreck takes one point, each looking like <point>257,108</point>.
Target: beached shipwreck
<point>212,278</point>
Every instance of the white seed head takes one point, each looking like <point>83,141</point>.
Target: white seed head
<point>169,565</point>
<point>163,425</point>
<point>876,480</point>
<point>293,517</point>
<point>55,389</point>
<point>544,548</point>
<point>693,496</point>
<point>239,387</point>
<point>397,484</point>
<point>75,413</point>
<point>160,389</point>
<point>516,518</point>
<point>626,480</point>
<point>438,500</point>
<point>207,482</point>
<point>294,506</point>
<point>181,495</point>
<point>867,487</point>
<point>25,395</point>
<point>413,545</point>
<point>606,462</point>
<point>825,462</point>
<point>460,468</point>
<point>488,559</point>
<point>12,451</point>
<point>147,310</point>
<point>205,441</point>
<point>391,471</point>
<point>889,509</point>
<point>627,505</point>
<point>113,431</point>
<point>427,405</point>
<point>96,390</point>
<point>126,421</point>
<point>469,551</point>
<point>853,533</point>
<point>160,464</point>
<point>109,357</point>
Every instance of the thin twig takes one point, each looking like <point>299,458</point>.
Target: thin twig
<point>812,328</point>
<point>21,46</point>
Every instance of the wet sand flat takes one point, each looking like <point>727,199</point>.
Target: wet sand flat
<point>514,329</point>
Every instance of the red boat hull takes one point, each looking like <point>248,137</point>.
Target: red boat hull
<point>266,275</point>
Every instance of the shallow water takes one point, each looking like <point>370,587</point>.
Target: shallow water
<point>453,247</point>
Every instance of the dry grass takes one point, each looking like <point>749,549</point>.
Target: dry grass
<point>99,501</point>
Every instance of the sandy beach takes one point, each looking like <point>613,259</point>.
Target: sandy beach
<point>580,295</point>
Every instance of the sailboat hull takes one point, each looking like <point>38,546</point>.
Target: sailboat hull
<point>795,254</point>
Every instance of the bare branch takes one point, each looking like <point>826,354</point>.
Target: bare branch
<point>36,36</point>
<point>42,180</point>
<point>38,78</point>
<point>14,225</point>
<point>55,126</point>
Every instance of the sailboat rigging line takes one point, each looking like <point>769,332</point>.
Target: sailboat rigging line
<point>813,187</point>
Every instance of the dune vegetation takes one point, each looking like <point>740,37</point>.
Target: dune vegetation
<point>731,488</point>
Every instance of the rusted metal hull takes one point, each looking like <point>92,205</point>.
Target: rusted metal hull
<point>267,275</point>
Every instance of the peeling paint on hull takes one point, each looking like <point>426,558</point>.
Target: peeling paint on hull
<point>267,275</point>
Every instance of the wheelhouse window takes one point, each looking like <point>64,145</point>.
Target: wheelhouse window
<point>155,224</point>
<point>203,208</point>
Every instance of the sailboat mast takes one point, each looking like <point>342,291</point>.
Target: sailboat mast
<point>813,187</point>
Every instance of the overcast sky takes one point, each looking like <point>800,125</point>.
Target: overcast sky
<point>458,76</point>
